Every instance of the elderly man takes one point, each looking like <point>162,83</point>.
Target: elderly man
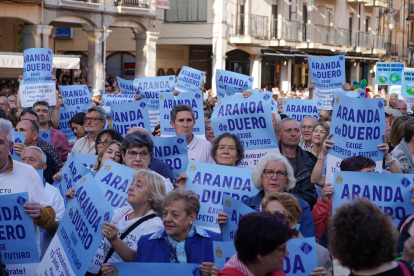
<point>4,103</point>
<point>31,134</point>
<point>401,106</point>
<point>302,162</point>
<point>35,157</point>
<point>16,177</point>
<point>94,123</point>
<point>306,126</point>
<point>393,99</point>
<point>391,114</point>
<point>57,138</point>
<point>212,101</point>
<point>12,101</point>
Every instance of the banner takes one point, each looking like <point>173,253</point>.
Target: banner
<point>37,84</point>
<point>151,269</point>
<point>357,128</point>
<point>72,171</point>
<point>189,80</point>
<point>149,90</point>
<point>410,102</point>
<point>235,211</point>
<point>326,96</point>
<point>76,95</point>
<point>45,135</point>
<point>211,182</point>
<point>117,98</point>
<point>389,73</point>
<point>302,258</point>
<point>18,138</point>
<point>65,114</point>
<point>88,160</point>
<point>223,251</point>
<point>126,86</point>
<point>169,101</point>
<point>18,246</point>
<point>389,191</point>
<point>114,180</point>
<point>250,119</point>
<point>173,152</point>
<point>407,83</point>
<point>299,109</point>
<point>128,115</point>
<point>79,234</point>
<point>227,78</point>
<point>327,72</point>
<point>352,94</point>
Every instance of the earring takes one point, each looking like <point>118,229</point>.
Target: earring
<point>191,222</point>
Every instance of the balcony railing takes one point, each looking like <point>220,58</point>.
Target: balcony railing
<point>259,26</point>
<point>291,30</point>
<point>378,41</point>
<point>87,1</point>
<point>329,35</point>
<point>144,4</point>
<point>238,24</point>
<point>362,39</point>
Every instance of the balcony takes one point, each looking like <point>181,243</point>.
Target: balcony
<point>411,9</point>
<point>330,35</point>
<point>377,3</point>
<point>142,4</point>
<point>362,40</point>
<point>359,1</point>
<point>288,30</point>
<point>250,29</point>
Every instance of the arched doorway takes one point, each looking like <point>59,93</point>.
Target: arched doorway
<point>121,64</point>
<point>238,61</point>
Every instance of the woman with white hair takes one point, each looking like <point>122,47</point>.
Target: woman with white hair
<point>273,173</point>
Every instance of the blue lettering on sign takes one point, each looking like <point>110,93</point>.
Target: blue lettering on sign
<point>88,208</point>
<point>222,181</point>
<point>295,267</point>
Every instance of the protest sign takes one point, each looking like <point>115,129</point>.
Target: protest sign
<point>76,95</point>
<point>79,234</point>
<point>250,119</point>
<point>352,94</point>
<point>227,78</point>
<point>65,114</point>
<point>327,72</point>
<point>18,138</point>
<point>88,160</point>
<point>37,84</point>
<point>235,210</point>
<point>125,86</point>
<point>299,109</point>
<point>223,251</point>
<point>189,80</point>
<point>358,128</point>
<point>18,246</point>
<point>407,83</point>
<point>128,115</point>
<point>324,95</point>
<point>72,171</point>
<point>389,73</point>
<point>302,258</point>
<point>149,90</point>
<point>114,180</point>
<point>173,151</point>
<point>396,89</point>
<point>169,101</point>
<point>150,269</point>
<point>211,182</point>
<point>117,98</point>
<point>409,101</point>
<point>389,191</point>
<point>45,135</point>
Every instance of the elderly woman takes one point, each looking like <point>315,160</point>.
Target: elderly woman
<point>145,197</point>
<point>273,173</point>
<point>365,252</point>
<point>180,241</point>
<point>105,136</point>
<point>260,250</point>
<point>289,206</point>
<point>112,151</point>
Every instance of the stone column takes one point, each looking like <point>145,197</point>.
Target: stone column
<point>285,76</point>
<point>247,21</point>
<point>32,36</point>
<point>96,57</point>
<point>145,54</point>
<point>256,70</point>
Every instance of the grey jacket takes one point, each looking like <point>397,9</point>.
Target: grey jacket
<point>403,157</point>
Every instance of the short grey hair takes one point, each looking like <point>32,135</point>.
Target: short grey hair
<point>309,117</point>
<point>102,112</point>
<point>43,157</point>
<point>261,165</point>
<point>12,96</point>
<point>393,95</point>
<point>208,122</point>
<point>7,100</point>
<point>7,127</point>
<point>400,101</point>
<point>279,126</point>
<point>179,108</point>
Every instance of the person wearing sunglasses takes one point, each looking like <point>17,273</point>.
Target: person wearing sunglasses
<point>157,131</point>
<point>94,123</point>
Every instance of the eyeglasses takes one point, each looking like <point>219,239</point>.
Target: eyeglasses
<point>156,132</point>
<point>306,127</point>
<point>93,120</point>
<point>101,142</point>
<point>279,174</point>
<point>205,108</point>
<point>143,155</point>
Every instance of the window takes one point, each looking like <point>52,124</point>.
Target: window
<point>186,10</point>
<point>367,27</point>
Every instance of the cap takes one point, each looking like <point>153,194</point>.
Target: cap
<point>394,112</point>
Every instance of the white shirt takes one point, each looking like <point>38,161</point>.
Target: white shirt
<point>82,146</point>
<point>23,178</point>
<point>199,151</point>
<point>131,240</point>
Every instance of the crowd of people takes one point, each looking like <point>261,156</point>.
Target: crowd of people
<point>159,225</point>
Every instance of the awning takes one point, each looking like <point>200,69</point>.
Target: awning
<point>276,56</point>
<point>15,60</point>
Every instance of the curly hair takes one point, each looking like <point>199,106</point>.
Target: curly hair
<point>362,236</point>
<point>289,202</point>
<point>239,146</point>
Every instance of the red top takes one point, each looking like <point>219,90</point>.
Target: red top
<point>231,271</point>
<point>321,213</point>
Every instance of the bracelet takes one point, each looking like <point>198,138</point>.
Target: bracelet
<point>391,162</point>
<point>321,157</point>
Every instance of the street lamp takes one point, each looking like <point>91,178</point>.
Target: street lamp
<point>391,23</point>
<point>309,5</point>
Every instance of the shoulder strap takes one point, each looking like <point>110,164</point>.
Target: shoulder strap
<point>405,270</point>
<point>123,235</point>
<point>406,222</point>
